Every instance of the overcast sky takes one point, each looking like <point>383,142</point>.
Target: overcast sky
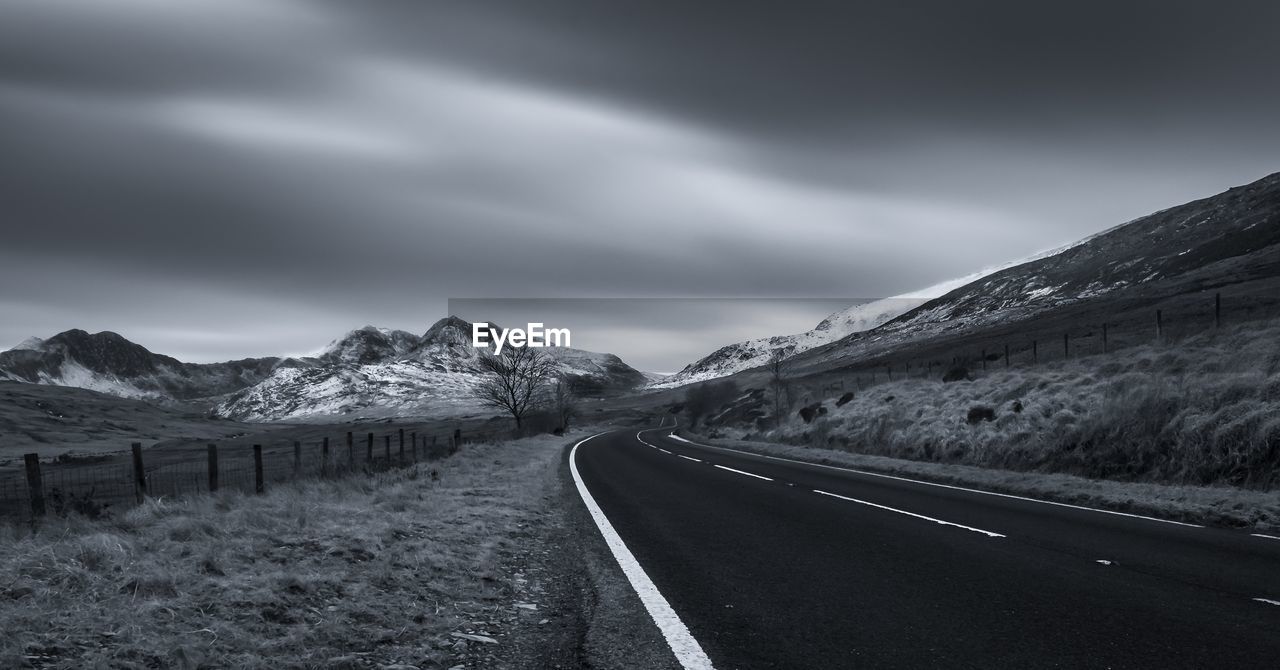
<point>252,177</point>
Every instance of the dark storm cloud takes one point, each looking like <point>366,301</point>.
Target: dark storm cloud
<point>178,170</point>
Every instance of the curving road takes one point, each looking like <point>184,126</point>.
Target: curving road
<point>770,563</point>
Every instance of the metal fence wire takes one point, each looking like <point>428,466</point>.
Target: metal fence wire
<point>106,483</point>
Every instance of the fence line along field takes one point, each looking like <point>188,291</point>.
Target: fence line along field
<point>98,484</point>
<point>1054,337</point>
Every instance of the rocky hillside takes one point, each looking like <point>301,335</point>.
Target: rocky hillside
<point>369,345</point>
<point>111,364</point>
<point>753,353</point>
<point>1228,240</point>
<point>369,372</point>
<point>1169,243</point>
<point>430,375</point>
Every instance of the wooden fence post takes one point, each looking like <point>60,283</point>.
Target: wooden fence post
<point>386,441</point>
<point>888,370</point>
<point>351,450</point>
<point>415,446</point>
<point>1159,325</point>
<point>457,439</point>
<point>139,473</point>
<point>297,459</point>
<point>1035,351</point>
<point>213,468</point>
<point>1217,310</point>
<point>369,455</point>
<point>325,465</point>
<point>35,484</point>
<point>1104,338</point>
<point>1066,345</point>
<point>259,485</point>
<point>984,360</point>
<point>401,446</point>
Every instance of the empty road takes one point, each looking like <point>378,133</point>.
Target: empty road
<point>750,562</point>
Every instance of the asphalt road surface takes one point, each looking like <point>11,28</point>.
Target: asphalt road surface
<point>768,563</point>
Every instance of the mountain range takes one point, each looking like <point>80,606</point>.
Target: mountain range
<point>1232,238</point>
<point>369,372</point>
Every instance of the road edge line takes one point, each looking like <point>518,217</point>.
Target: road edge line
<point>682,643</point>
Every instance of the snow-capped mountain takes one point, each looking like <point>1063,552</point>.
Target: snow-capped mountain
<point>30,344</point>
<point>1232,238</point>
<point>1167,244</point>
<point>857,318</point>
<point>1170,243</point>
<point>367,372</point>
<point>753,353</point>
<point>369,345</point>
<point>385,374</point>
<point>111,364</point>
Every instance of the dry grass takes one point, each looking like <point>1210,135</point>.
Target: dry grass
<point>353,573</point>
<point>1201,411</point>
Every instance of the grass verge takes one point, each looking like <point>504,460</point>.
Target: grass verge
<point>388,571</point>
<point>1202,411</point>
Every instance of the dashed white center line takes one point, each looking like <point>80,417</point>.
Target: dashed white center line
<point>944,486</point>
<point>900,511</point>
<point>741,472</point>
<point>664,451</point>
<point>1268,601</point>
<point>690,458</point>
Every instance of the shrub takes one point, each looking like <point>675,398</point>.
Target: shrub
<point>701,399</point>
<point>980,413</point>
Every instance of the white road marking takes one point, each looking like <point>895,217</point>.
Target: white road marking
<point>1269,537</point>
<point>900,511</point>
<point>695,460</point>
<point>686,649</point>
<point>1103,561</point>
<point>749,474</point>
<point>1268,601</point>
<point>664,451</point>
<point>945,486</point>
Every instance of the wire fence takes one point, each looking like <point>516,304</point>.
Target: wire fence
<point>1056,339</point>
<point>107,483</point>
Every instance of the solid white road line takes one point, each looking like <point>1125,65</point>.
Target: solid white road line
<point>686,649</point>
<point>944,486</point>
<point>749,474</point>
<point>1268,601</point>
<point>1269,537</point>
<point>918,516</point>
<point>695,460</point>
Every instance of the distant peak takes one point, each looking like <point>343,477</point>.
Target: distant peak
<point>32,343</point>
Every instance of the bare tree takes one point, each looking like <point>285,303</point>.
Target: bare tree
<point>564,402</point>
<point>516,381</point>
<point>779,383</point>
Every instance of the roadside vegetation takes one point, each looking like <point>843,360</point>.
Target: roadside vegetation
<point>403,569</point>
<point>1202,411</point>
